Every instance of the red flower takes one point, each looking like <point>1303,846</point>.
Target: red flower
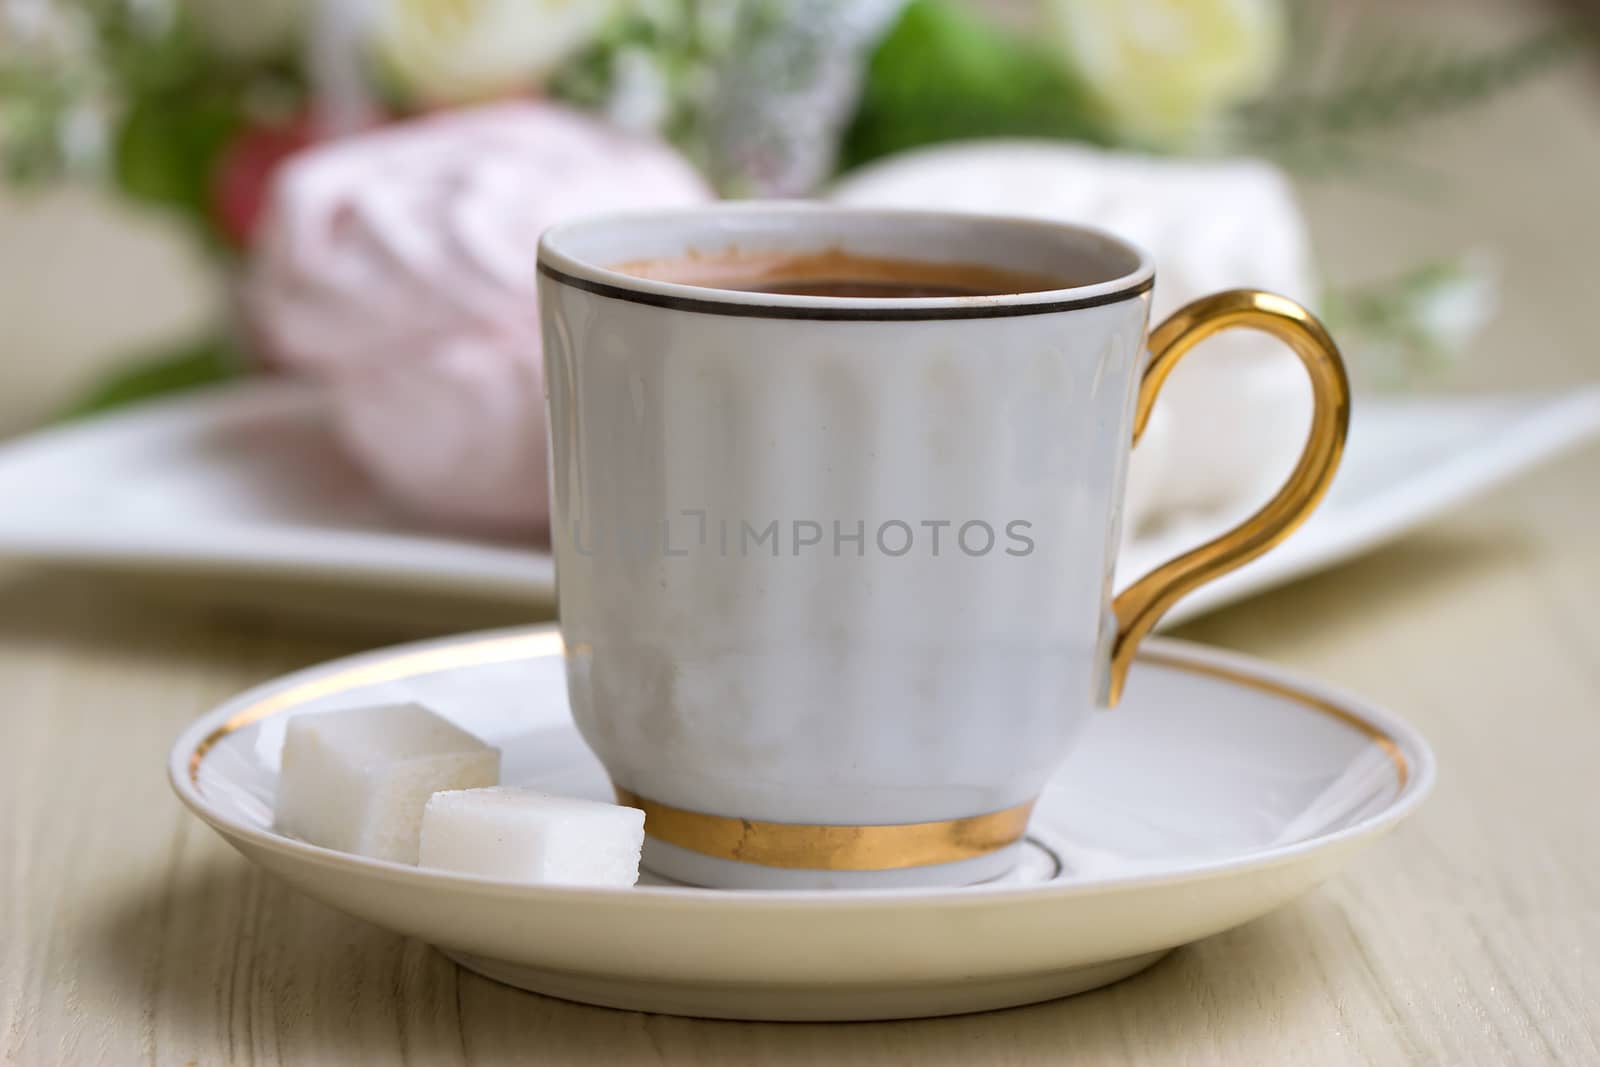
<point>244,173</point>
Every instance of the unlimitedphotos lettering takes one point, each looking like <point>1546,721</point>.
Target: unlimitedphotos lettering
<point>696,533</point>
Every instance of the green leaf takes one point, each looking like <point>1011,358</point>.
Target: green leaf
<point>205,362</point>
<point>168,146</point>
<point>944,73</point>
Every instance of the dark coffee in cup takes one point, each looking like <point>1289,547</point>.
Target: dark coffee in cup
<point>839,273</point>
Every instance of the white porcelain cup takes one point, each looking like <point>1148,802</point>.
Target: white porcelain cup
<point>834,573</point>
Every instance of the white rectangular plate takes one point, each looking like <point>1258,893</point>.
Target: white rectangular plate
<point>248,478</point>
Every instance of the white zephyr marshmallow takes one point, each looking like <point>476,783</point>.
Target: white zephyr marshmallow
<point>357,779</point>
<point>520,835</point>
<point>1231,420</point>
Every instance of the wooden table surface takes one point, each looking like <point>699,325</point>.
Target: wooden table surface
<point>131,934</point>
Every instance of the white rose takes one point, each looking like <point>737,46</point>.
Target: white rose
<point>1230,421</point>
<point>1165,70</point>
<point>451,51</point>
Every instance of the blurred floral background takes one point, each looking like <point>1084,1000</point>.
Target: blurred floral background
<point>350,191</point>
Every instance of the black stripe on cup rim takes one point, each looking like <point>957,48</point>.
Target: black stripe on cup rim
<point>980,308</point>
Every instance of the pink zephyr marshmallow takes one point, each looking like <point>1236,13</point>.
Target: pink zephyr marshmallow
<point>399,267</point>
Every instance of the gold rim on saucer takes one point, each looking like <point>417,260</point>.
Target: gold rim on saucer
<point>768,844</point>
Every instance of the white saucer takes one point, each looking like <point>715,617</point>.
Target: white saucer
<point>1220,789</point>
<point>248,479</point>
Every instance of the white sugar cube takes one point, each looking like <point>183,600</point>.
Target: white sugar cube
<point>523,836</point>
<point>358,779</point>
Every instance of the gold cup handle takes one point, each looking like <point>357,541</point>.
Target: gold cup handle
<point>1142,604</point>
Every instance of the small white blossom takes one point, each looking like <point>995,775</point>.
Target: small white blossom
<point>1451,309</point>
<point>640,96</point>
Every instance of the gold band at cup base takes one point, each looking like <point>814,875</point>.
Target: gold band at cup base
<point>804,846</point>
